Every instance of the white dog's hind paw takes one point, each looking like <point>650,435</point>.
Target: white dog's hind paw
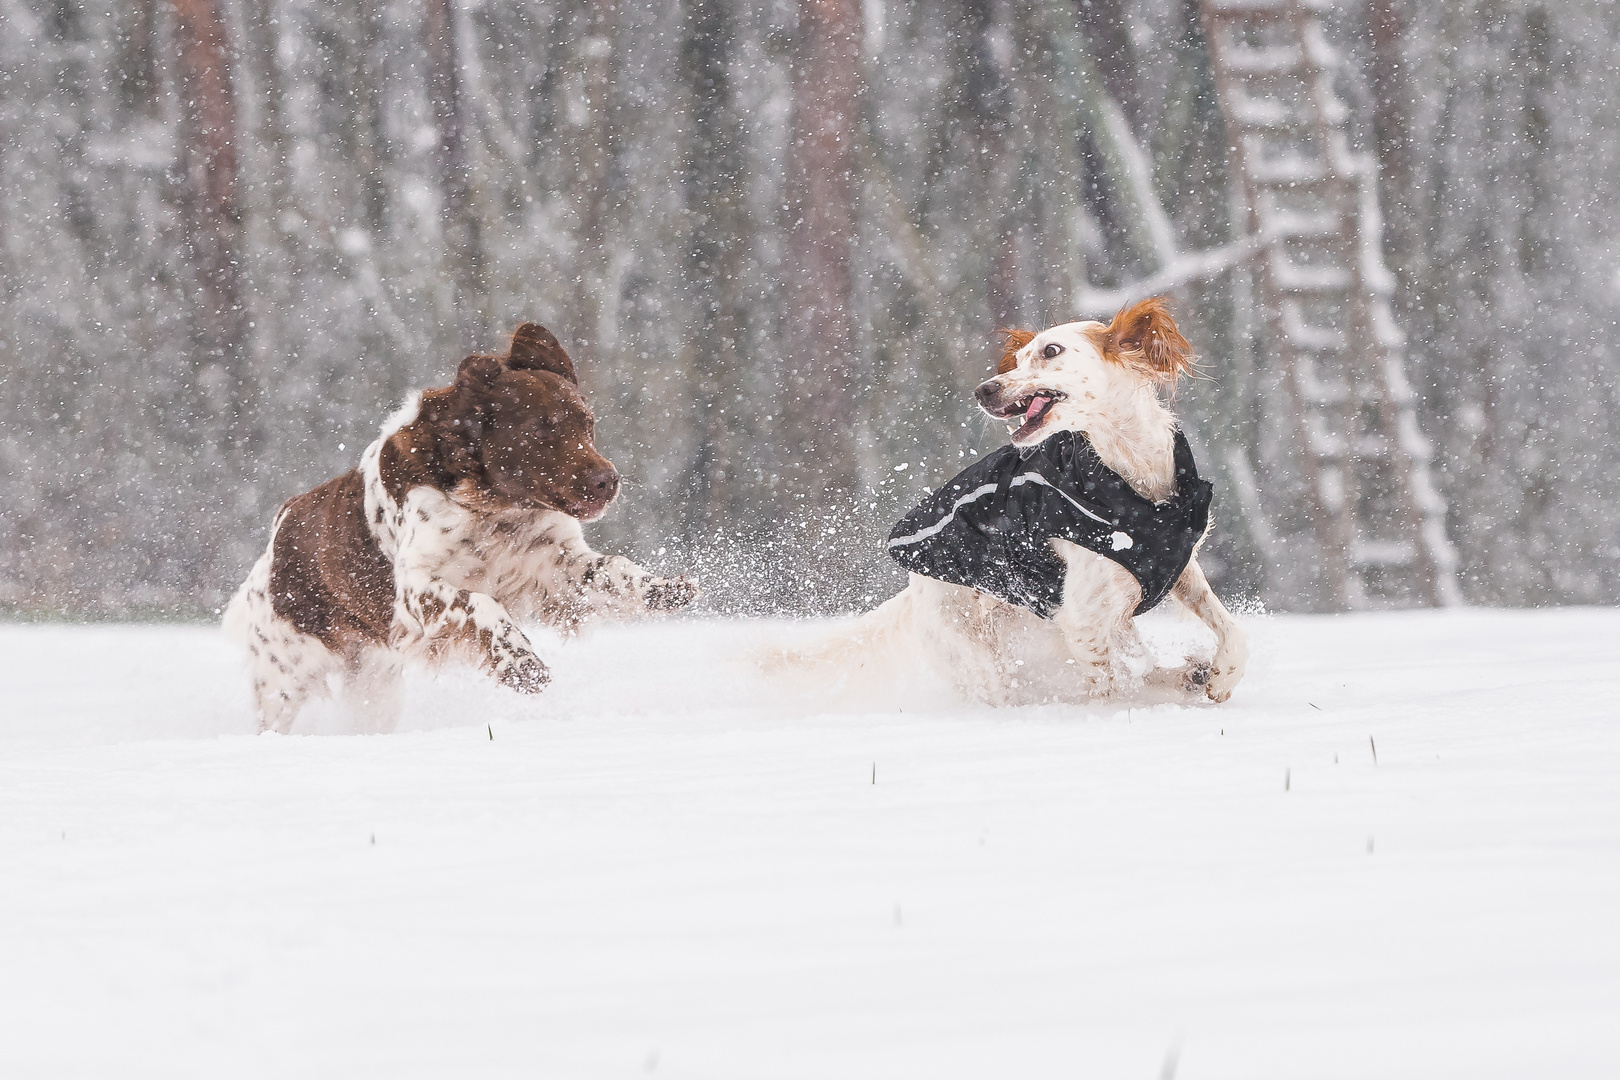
<point>1219,689</point>
<point>1225,673</point>
<point>1226,670</point>
<point>1096,681</point>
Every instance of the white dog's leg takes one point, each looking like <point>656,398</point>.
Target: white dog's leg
<point>1231,643</point>
<point>1095,619</point>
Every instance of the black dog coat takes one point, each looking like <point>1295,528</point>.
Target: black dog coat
<point>988,528</point>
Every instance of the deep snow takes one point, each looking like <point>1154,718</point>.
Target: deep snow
<point>669,865</point>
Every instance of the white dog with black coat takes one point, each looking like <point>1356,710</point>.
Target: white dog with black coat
<point>1029,568</point>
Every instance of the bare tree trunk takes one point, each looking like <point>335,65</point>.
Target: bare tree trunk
<point>1391,128</point>
<point>1119,184</point>
<point>593,154</point>
<point>370,141</point>
<point>212,218</point>
<point>1102,24</point>
<point>462,237</point>
<point>1108,196</point>
<point>714,196</point>
<point>138,88</point>
<point>819,515</point>
<point>269,211</point>
<point>986,101</point>
<point>819,293</point>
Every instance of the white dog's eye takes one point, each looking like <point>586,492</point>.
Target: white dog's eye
<point>1051,350</point>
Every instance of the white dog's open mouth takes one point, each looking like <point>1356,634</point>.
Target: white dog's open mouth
<point>1024,416</point>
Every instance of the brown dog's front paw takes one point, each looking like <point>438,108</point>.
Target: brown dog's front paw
<point>526,674</point>
<point>670,594</point>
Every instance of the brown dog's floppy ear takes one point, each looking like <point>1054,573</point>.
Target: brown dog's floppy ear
<point>1145,336</point>
<point>456,415</point>
<point>475,383</point>
<point>534,348</point>
<point>478,371</point>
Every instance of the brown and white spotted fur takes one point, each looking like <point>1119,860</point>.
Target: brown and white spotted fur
<point>462,518</point>
<point>1105,380</point>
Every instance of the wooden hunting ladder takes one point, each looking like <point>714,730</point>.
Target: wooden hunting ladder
<point>1372,507</point>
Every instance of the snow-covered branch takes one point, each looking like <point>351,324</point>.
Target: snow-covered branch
<point>1180,269</point>
<point>476,87</point>
<point>1148,229</point>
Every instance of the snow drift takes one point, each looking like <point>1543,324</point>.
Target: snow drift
<point>1395,853</point>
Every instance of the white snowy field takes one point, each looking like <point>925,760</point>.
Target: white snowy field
<point>668,865</point>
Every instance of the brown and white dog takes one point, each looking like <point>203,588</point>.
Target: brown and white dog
<point>463,514</point>
<point>1109,382</point>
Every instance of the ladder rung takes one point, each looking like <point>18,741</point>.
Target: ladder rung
<point>1306,336</point>
<point>1266,61</point>
<point>1326,446</point>
<point>1372,448</point>
<point>1270,10</point>
<point>1317,392</point>
<point>1400,391</point>
<point>1383,553</point>
<point>1291,277</point>
<point>1389,335</point>
<point>1265,112</point>
<point>1298,225</point>
<point>1260,113</point>
<point>1292,171</point>
<point>1413,444</point>
<point>1330,486</point>
<point>1317,51</point>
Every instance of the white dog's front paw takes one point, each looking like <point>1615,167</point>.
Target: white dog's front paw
<point>1096,680</point>
<point>1194,677</point>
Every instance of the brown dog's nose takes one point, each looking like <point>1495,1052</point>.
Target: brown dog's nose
<point>603,482</point>
<point>987,391</point>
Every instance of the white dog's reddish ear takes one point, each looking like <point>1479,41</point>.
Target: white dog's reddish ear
<point>535,348</point>
<point>1011,342</point>
<point>1146,337</point>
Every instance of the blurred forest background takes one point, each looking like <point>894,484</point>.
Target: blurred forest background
<point>777,236</point>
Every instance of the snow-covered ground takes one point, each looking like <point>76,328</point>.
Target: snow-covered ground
<point>669,865</point>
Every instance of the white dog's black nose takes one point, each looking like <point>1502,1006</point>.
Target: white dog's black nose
<point>988,391</point>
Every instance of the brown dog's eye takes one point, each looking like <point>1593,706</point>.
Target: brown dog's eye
<point>1051,350</point>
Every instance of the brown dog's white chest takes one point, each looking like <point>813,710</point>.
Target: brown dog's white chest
<point>515,556</point>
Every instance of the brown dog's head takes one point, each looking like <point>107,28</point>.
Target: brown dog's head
<point>524,433</point>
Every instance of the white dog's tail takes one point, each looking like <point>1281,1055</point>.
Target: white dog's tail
<point>858,641</point>
<point>873,656</point>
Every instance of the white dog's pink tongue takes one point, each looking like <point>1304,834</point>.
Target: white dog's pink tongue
<point>1036,404</point>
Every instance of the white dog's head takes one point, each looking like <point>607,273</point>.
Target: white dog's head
<point>1072,376</point>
